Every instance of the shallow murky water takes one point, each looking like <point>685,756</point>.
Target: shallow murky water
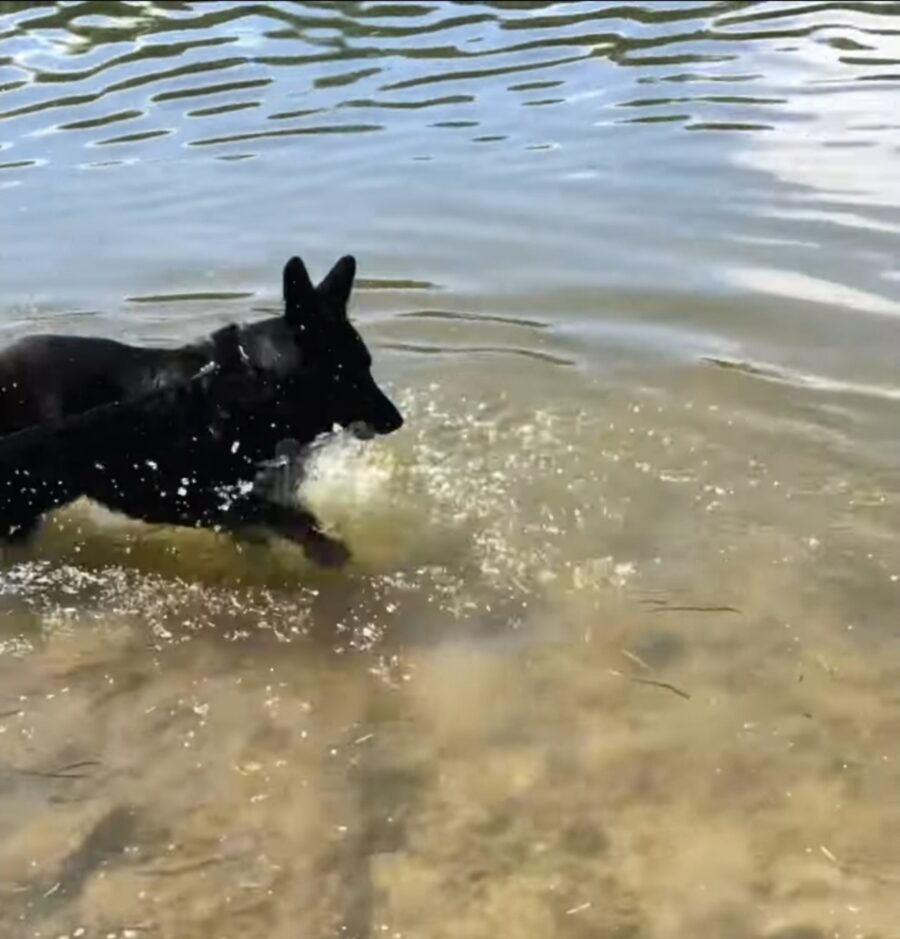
<point>618,654</point>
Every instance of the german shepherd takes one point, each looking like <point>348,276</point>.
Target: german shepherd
<point>187,436</point>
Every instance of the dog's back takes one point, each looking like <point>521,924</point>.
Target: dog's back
<point>47,378</point>
<point>157,455</point>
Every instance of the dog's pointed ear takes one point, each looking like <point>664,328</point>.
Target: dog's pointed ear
<point>338,282</point>
<point>299,294</point>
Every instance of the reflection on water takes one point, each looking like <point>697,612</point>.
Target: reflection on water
<point>617,654</point>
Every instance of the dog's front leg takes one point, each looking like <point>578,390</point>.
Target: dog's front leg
<point>292,522</point>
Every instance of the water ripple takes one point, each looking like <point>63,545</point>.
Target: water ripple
<point>312,102</point>
<point>390,49</point>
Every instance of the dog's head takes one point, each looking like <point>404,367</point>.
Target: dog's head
<point>334,359</point>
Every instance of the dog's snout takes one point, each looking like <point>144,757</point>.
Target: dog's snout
<point>380,412</point>
<point>389,419</point>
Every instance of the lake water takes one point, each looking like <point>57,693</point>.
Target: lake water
<point>618,655</point>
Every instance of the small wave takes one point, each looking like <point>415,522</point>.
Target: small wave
<point>807,379</point>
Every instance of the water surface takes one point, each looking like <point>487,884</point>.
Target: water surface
<point>618,653</point>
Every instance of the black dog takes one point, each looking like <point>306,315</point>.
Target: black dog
<point>46,378</point>
<point>180,437</point>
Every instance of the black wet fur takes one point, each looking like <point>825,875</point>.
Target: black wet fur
<point>212,434</point>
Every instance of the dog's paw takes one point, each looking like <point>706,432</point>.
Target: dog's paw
<point>327,552</point>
